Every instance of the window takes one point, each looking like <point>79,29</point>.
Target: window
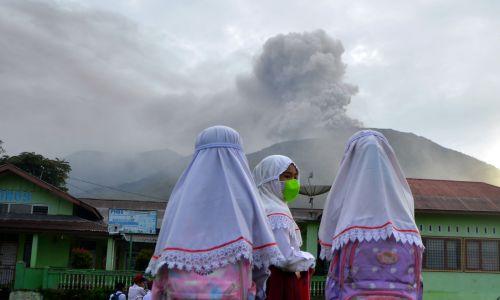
<point>483,255</point>
<point>20,208</point>
<point>442,254</point>
<point>40,210</point>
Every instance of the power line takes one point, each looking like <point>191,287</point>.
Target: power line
<point>78,188</point>
<point>116,189</point>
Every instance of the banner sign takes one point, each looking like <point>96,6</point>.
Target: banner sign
<point>131,221</point>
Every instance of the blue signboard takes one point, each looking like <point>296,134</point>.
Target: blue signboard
<point>13,196</point>
<point>132,221</point>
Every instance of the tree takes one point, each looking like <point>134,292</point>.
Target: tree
<point>2,150</point>
<point>53,171</point>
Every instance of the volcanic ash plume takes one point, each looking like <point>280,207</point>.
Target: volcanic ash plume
<point>298,80</point>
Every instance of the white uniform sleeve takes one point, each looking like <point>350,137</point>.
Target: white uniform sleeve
<point>295,260</point>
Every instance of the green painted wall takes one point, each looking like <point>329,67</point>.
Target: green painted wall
<point>56,205</point>
<point>20,246</point>
<point>456,285</point>
<point>28,278</point>
<point>461,286</point>
<point>312,238</point>
<point>53,251</point>
<point>437,225</point>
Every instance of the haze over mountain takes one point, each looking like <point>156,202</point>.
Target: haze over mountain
<point>155,173</point>
<point>114,169</point>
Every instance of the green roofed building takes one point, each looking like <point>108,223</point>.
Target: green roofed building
<point>40,225</point>
<point>460,226</point>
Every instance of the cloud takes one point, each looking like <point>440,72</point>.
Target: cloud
<point>74,78</point>
<point>295,90</point>
<point>114,76</point>
<point>301,77</point>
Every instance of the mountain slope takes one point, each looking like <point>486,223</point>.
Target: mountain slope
<point>419,158</point>
<point>112,169</point>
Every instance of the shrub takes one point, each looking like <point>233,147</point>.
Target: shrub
<point>81,259</point>
<point>53,294</point>
<point>142,259</point>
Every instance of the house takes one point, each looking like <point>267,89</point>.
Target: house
<point>40,224</point>
<point>460,226</point>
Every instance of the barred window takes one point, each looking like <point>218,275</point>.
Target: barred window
<point>483,255</point>
<point>40,210</point>
<point>442,254</point>
<point>20,208</point>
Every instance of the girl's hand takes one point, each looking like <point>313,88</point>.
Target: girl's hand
<point>297,274</point>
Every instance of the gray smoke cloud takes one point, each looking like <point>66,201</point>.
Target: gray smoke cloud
<point>74,78</point>
<point>296,89</point>
<point>298,81</point>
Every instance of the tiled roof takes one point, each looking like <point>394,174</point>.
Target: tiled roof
<point>125,204</point>
<point>50,223</point>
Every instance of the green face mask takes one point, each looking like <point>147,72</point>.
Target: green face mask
<point>290,190</point>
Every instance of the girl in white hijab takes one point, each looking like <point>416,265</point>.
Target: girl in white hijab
<point>368,229</point>
<point>214,229</point>
<point>276,177</point>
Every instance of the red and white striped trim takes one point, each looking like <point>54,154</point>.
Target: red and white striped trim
<point>368,233</point>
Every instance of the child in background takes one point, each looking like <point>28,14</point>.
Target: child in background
<point>277,177</point>
<point>137,291</point>
<point>368,229</point>
<point>118,294</point>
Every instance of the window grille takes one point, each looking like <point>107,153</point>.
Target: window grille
<point>442,254</point>
<point>40,210</point>
<point>482,255</point>
<point>20,208</point>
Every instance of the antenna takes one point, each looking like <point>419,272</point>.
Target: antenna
<point>311,198</point>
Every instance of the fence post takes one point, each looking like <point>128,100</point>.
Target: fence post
<point>19,277</point>
<point>45,278</point>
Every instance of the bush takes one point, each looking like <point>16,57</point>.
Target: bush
<point>81,259</point>
<point>142,259</point>
<point>53,294</point>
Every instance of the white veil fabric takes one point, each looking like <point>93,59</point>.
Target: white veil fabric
<point>214,216</point>
<point>370,198</point>
<point>266,175</point>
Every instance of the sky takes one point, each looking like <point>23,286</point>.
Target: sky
<point>142,75</point>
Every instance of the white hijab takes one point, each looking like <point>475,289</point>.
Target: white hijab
<point>370,198</point>
<point>214,216</point>
<point>266,175</point>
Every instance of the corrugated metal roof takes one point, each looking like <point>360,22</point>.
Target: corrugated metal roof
<point>450,195</point>
<point>433,195</point>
